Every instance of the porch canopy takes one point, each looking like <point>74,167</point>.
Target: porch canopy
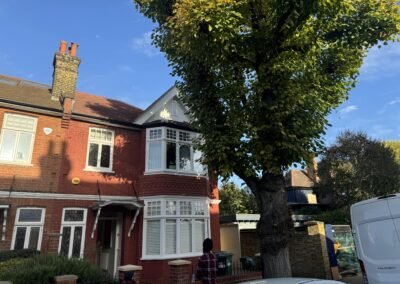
<point>127,204</point>
<point>4,209</point>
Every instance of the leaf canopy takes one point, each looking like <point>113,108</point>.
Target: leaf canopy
<point>260,77</point>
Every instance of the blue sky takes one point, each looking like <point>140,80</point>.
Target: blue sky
<point>119,62</point>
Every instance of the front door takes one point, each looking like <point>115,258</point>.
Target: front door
<point>109,244</point>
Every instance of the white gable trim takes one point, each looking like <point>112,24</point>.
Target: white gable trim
<point>157,105</point>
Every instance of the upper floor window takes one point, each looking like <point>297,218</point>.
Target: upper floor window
<point>172,150</point>
<point>72,238</point>
<point>100,149</point>
<point>28,229</point>
<point>17,136</point>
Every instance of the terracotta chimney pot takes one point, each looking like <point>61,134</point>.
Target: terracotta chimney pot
<point>72,49</point>
<point>63,46</point>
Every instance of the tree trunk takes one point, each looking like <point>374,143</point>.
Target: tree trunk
<point>275,225</point>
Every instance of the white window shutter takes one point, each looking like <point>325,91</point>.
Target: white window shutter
<point>185,236</point>
<point>170,237</point>
<point>153,237</point>
<point>198,234</point>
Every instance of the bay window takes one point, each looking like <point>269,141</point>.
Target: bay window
<point>175,227</point>
<point>172,150</point>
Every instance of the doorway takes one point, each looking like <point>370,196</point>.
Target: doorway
<point>109,244</point>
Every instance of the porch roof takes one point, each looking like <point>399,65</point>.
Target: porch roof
<point>130,205</point>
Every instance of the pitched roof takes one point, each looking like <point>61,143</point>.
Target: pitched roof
<point>15,90</point>
<point>19,91</point>
<point>104,108</point>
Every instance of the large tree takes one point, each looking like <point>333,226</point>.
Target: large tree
<point>259,78</point>
<point>355,168</point>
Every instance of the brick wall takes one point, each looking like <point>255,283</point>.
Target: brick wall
<point>128,162</point>
<point>310,245</point>
<point>43,173</point>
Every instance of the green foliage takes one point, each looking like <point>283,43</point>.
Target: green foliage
<point>22,253</point>
<point>43,268</point>
<point>335,217</point>
<point>9,264</point>
<point>235,200</point>
<point>356,168</point>
<point>395,146</point>
<point>260,77</point>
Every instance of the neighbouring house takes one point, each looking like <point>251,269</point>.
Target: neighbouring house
<point>239,231</point>
<point>92,177</point>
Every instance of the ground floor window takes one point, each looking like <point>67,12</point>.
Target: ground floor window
<point>72,238</point>
<point>28,228</point>
<point>175,227</point>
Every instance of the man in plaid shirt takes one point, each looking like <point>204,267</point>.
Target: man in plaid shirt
<point>207,265</point>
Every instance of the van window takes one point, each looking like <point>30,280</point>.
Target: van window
<point>379,240</point>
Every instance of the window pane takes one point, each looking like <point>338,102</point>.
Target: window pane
<point>20,238</point>
<point>184,158</point>
<point>171,156</point>
<point>199,234</point>
<point>171,134</point>
<point>198,208</point>
<point>24,146</point>
<point>34,238</point>
<point>20,122</point>
<point>73,215</point>
<point>76,245</point>
<point>184,136</point>
<point>93,151</point>
<point>153,237</point>
<point>170,208</point>
<point>7,145</point>
<point>30,215</point>
<point>154,208</point>
<point>155,155</point>
<point>155,134</point>
<point>105,156</point>
<point>186,236</point>
<point>170,237</point>
<point>198,167</point>
<point>186,208</point>
<point>66,236</point>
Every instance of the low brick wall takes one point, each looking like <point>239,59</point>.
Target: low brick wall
<point>308,252</point>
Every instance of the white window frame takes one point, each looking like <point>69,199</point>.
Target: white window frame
<point>164,140</point>
<point>73,225</point>
<point>28,225</point>
<point>28,161</point>
<point>164,216</point>
<point>100,143</point>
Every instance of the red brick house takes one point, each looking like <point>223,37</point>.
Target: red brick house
<point>92,177</point>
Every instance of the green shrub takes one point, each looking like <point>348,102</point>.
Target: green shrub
<point>22,253</point>
<point>10,264</point>
<point>43,268</point>
<point>334,217</point>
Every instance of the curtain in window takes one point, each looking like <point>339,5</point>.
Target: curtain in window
<point>155,155</point>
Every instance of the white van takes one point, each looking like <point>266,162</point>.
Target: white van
<point>376,231</point>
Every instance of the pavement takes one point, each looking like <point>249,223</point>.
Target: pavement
<point>353,279</point>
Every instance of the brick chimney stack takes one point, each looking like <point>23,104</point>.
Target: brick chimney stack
<point>65,72</point>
